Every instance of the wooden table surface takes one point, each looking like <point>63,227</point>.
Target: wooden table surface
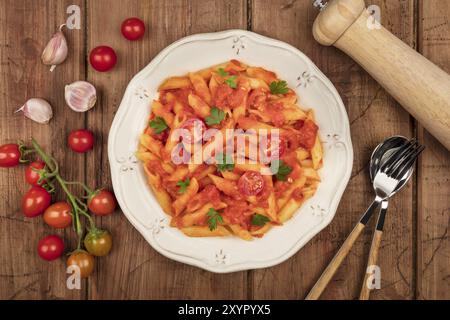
<point>415,251</point>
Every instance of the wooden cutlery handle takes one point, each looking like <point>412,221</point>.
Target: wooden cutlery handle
<point>420,86</point>
<point>329,272</point>
<point>372,261</point>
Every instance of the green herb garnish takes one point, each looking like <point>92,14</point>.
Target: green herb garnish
<point>259,220</point>
<point>283,170</point>
<point>214,217</point>
<point>224,162</point>
<point>279,87</point>
<point>183,184</point>
<point>215,117</point>
<point>158,125</point>
<point>221,72</point>
<point>231,82</point>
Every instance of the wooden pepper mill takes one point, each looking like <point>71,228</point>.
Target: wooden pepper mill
<point>420,86</point>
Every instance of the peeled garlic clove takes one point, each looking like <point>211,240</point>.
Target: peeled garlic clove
<point>37,110</point>
<point>80,96</point>
<point>56,50</point>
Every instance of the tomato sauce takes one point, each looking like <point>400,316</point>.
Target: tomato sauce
<point>237,212</point>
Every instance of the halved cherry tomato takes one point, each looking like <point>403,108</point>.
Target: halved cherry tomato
<point>9,155</point>
<point>31,176</point>
<point>196,128</point>
<point>251,183</point>
<point>35,201</point>
<point>133,29</point>
<point>81,140</point>
<point>50,247</point>
<point>102,203</point>
<point>84,261</point>
<point>270,152</point>
<point>98,242</point>
<point>103,58</point>
<point>58,215</point>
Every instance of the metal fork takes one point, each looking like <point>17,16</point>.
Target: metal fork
<point>384,184</point>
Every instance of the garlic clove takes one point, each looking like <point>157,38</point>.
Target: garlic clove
<point>80,96</point>
<point>37,110</point>
<point>56,50</point>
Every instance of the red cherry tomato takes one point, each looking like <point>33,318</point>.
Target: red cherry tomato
<point>9,155</point>
<point>196,128</point>
<point>58,215</point>
<point>81,140</point>
<point>251,183</point>
<point>103,58</point>
<point>31,176</point>
<point>50,247</point>
<point>102,203</point>
<point>133,29</point>
<point>35,201</point>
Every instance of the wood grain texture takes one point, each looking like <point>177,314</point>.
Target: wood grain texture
<point>23,275</point>
<point>433,270</point>
<point>139,272</point>
<point>374,115</point>
<point>134,269</point>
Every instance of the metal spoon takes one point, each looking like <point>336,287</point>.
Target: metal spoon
<point>379,156</point>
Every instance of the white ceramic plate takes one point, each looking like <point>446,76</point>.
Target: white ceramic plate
<point>230,254</point>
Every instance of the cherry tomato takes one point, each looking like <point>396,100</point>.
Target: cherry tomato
<point>270,151</point>
<point>50,247</point>
<point>58,215</point>
<point>102,203</point>
<point>35,201</point>
<point>103,58</point>
<point>84,261</point>
<point>133,29</point>
<point>81,140</point>
<point>251,183</point>
<point>98,242</point>
<point>196,128</point>
<point>31,176</point>
<point>9,155</point>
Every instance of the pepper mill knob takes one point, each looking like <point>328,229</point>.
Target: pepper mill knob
<point>335,18</point>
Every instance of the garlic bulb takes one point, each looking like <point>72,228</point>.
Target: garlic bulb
<point>37,110</point>
<point>56,50</point>
<point>80,96</point>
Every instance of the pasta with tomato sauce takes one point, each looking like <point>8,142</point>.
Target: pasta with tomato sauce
<point>231,192</point>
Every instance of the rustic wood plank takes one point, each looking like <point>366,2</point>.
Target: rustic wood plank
<point>134,269</point>
<point>433,274</point>
<point>374,115</point>
<point>26,28</point>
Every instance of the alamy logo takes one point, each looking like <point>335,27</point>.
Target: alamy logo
<point>374,279</point>
<point>74,279</point>
<point>74,19</point>
<point>374,21</point>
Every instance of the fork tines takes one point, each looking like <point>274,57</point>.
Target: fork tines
<point>400,161</point>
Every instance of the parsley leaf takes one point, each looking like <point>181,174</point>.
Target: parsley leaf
<point>214,217</point>
<point>259,220</point>
<point>279,87</point>
<point>224,162</point>
<point>231,82</point>
<point>283,170</point>
<point>215,117</point>
<point>158,125</point>
<point>183,184</point>
<point>221,72</point>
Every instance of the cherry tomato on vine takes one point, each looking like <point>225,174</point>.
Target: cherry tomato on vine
<point>102,203</point>
<point>31,176</point>
<point>98,242</point>
<point>251,183</point>
<point>84,261</point>
<point>50,247</point>
<point>58,215</point>
<point>9,155</point>
<point>81,140</point>
<point>103,58</point>
<point>133,28</point>
<point>35,201</point>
